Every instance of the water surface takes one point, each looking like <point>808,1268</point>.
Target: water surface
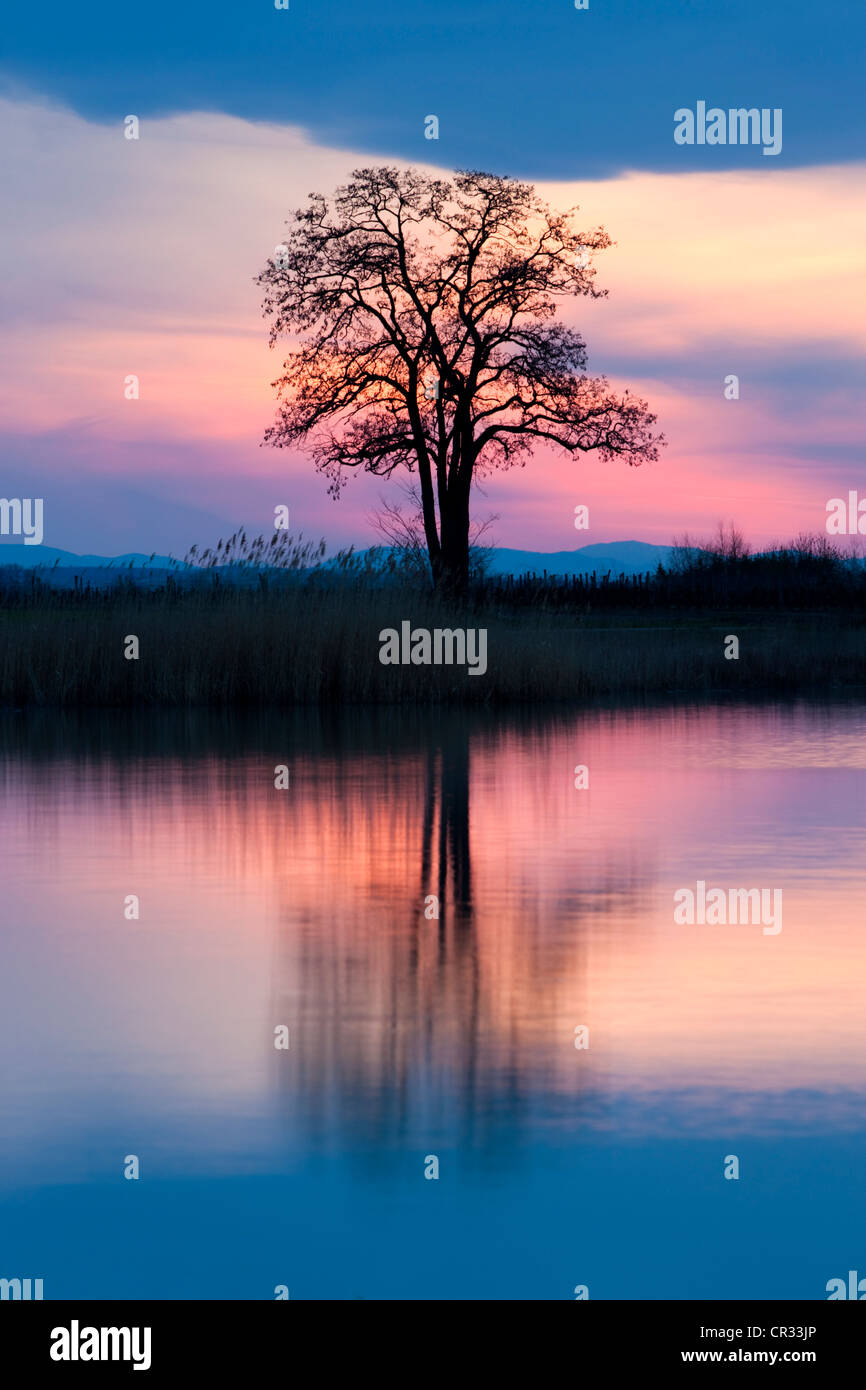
<point>413,1036</point>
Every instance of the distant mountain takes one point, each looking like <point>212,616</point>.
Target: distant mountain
<point>31,555</point>
<point>618,557</point>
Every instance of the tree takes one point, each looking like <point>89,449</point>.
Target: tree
<point>424,316</point>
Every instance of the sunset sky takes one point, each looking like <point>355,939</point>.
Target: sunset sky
<point>139,256</point>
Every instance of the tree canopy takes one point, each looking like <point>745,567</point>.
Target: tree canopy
<point>422,314</point>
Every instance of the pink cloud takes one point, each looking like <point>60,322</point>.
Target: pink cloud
<point>148,270</point>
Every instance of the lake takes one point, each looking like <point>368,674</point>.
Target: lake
<point>581,1068</point>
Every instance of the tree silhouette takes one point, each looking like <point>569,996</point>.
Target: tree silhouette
<point>424,317</point>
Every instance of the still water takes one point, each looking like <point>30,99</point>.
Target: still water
<point>415,1037</point>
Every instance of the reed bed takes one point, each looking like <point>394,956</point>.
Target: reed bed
<point>220,643</point>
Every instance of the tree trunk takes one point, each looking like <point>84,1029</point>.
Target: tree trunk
<point>453,567</point>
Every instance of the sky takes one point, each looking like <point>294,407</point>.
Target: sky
<point>138,256</point>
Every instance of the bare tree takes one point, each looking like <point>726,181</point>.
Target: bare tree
<point>424,317</point>
<point>728,543</point>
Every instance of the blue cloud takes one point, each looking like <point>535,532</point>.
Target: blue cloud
<point>539,91</point>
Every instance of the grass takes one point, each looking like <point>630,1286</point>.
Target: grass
<point>304,641</point>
